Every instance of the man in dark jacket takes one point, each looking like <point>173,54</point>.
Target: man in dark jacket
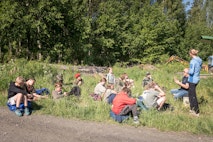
<point>17,94</point>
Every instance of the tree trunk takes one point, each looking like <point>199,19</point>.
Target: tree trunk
<point>39,45</point>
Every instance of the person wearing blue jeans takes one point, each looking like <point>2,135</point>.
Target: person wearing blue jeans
<point>184,86</point>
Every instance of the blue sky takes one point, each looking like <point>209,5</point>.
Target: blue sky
<point>188,6</point>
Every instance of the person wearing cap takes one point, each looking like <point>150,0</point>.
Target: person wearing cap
<point>79,80</point>
<point>76,90</point>
<point>147,79</point>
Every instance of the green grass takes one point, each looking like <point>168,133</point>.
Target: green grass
<point>87,109</point>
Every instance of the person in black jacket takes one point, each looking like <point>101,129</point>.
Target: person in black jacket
<point>17,94</point>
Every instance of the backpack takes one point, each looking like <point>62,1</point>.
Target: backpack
<point>13,107</point>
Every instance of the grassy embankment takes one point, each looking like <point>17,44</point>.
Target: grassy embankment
<point>87,109</point>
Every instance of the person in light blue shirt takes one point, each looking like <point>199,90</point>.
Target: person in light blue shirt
<point>193,79</point>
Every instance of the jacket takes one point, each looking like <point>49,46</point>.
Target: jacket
<point>120,101</point>
<point>13,90</point>
<point>194,70</point>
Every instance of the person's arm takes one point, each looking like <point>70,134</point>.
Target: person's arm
<point>186,86</point>
<point>16,90</point>
<point>191,68</point>
<point>56,95</point>
<point>162,93</point>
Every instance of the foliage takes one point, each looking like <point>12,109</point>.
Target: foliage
<point>85,108</point>
<point>103,32</point>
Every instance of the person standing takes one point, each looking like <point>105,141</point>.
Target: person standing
<point>110,77</point>
<point>193,79</point>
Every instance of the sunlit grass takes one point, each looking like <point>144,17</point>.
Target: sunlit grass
<point>85,108</point>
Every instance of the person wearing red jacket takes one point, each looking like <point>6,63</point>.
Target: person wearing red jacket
<point>123,104</point>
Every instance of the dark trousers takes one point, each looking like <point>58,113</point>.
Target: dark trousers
<point>129,109</point>
<point>193,97</point>
<point>111,98</point>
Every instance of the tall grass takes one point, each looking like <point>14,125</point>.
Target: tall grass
<point>86,109</point>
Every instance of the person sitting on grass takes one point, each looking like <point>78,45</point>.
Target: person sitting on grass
<point>153,96</point>
<point>184,86</point>
<point>147,79</point>
<point>122,105</point>
<point>76,90</point>
<point>110,94</point>
<point>124,81</point>
<point>99,90</point>
<point>57,93</point>
<point>17,95</point>
<point>32,95</point>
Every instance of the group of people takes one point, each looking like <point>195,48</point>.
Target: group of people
<point>23,91</point>
<point>116,92</point>
<point>75,90</point>
<point>191,78</point>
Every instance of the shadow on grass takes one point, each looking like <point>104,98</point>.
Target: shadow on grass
<point>35,106</point>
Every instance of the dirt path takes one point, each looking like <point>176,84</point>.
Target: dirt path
<point>40,128</point>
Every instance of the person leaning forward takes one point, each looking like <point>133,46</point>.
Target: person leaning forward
<point>17,95</point>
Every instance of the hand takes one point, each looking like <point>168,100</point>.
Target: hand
<point>176,80</point>
<point>157,87</point>
<point>66,93</point>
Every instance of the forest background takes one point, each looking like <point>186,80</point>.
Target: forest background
<point>106,33</point>
<point>103,32</point>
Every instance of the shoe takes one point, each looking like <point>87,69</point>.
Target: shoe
<point>26,111</point>
<point>135,120</point>
<point>194,113</point>
<point>18,112</point>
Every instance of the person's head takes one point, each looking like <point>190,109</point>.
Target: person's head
<point>193,52</point>
<point>30,81</point>
<point>124,76</point>
<point>127,91</point>
<point>110,70</point>
<point>78,76</point>
<point>58,87</point>
<point>186,72</point>
<point>103,80</point>
<point>19,81</point>
<point>148,74</point>
<point>110,86</point>
<point>150,85</point>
